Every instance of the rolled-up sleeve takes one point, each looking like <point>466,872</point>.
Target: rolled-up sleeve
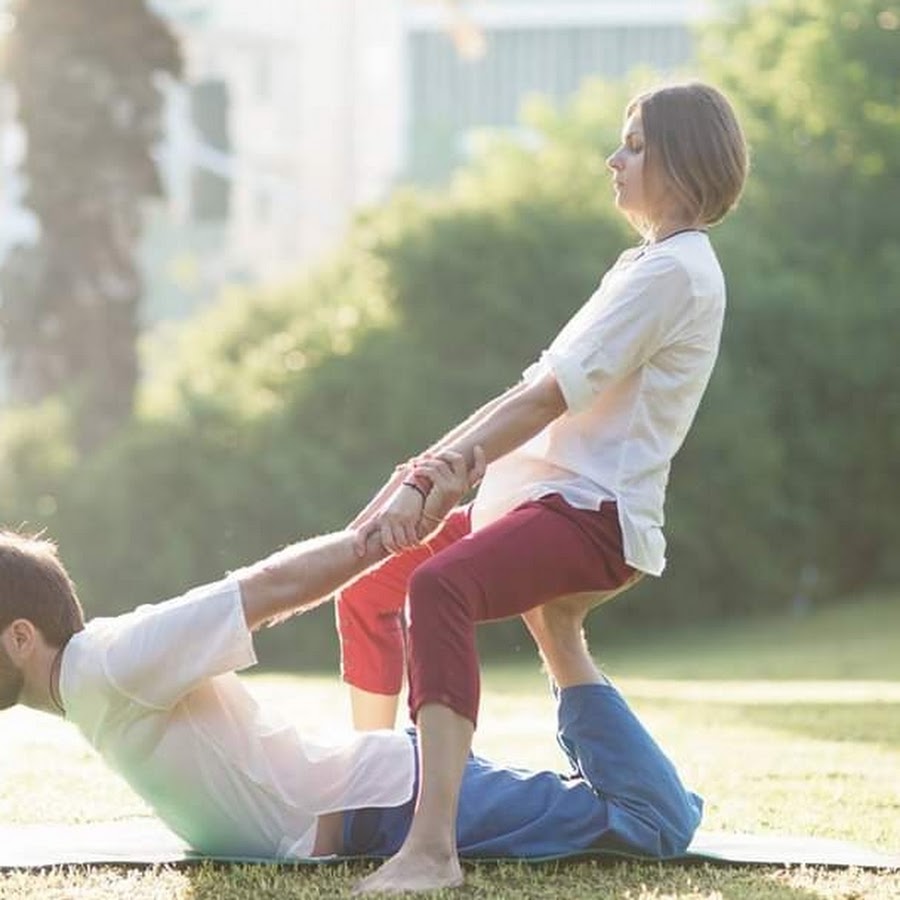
<point>619,331</point>
<point>160,653</point>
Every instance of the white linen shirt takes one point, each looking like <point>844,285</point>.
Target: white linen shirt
<point>632,365</point>
<point>154,691</point>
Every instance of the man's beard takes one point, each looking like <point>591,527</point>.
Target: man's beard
<point>11,681</point>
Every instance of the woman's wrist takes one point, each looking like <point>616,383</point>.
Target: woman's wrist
<point>421,481</point>
<point>415,479</point>
<point>415,486</point>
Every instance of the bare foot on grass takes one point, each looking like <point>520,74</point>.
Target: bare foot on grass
<point>408,871</point>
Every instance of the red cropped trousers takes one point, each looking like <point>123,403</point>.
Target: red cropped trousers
<point>538,551</point>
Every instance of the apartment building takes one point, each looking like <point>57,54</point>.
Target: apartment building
<point>296,113</point>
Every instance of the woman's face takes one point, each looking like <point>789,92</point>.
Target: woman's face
<point>627,165</point>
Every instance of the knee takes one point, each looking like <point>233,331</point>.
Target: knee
<point>680,825</point>
<point>369,599</point>
<point>350,612</point>
<point>372,646</point>
<point>367,628</point>
<point>435,596</point>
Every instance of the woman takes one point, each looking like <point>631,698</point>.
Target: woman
<point>570,511</point>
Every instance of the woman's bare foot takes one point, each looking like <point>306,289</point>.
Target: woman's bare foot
<point>413,871</point>
<point>428,858</point>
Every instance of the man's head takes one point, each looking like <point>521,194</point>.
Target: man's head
<point>36,596</point>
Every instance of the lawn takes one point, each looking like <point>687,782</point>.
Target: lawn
<point>786,724</point>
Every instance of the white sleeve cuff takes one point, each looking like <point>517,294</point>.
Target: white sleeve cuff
<point>573,383</point>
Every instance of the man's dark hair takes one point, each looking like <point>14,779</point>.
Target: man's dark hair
<point>34,585</point>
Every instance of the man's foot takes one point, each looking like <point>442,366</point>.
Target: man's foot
<point>408,871</point>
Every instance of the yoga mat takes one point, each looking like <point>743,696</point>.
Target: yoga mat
<point>147,841</point>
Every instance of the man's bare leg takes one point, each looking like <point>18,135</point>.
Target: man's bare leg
<point>372,711</point>
<point>558,630</point>
<point>428,859</point>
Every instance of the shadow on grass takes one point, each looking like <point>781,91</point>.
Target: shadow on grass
<point>871,723</point>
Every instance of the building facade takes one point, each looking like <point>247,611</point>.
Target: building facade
<point>295,114</point>
<point>298,114</point>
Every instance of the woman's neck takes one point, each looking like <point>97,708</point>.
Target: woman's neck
<point>663,230</point>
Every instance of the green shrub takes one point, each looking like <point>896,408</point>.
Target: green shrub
<point>275,414</point>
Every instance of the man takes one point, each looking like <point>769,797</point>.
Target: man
<point>154,691</point>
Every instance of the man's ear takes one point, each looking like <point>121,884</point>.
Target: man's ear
<point>19,639</point>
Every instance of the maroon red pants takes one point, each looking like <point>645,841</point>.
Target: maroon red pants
<point>540,550</point>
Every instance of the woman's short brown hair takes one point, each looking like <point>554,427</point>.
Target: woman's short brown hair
<point>694,148</point>
<point>34,585</point>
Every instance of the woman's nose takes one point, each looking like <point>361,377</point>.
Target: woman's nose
<point>614,161</point>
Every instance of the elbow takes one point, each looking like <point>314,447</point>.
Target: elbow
<point>267,593</point>
<point>548,399</point>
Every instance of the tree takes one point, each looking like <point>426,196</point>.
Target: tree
<point>818,84</point>
<point>814,269</point>
<point>85,74</point>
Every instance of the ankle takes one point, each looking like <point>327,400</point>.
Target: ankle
<point>429,847</point>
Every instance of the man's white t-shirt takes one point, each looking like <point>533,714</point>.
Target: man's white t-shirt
<point>154,691</point>
<point>632,365</point>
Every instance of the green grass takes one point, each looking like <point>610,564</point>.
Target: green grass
<point>786,725</point>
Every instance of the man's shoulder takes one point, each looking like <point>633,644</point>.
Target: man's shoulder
<point>106,628</point>
<point>85,688</point>
<point>102,630</point>
<point>98,632</point>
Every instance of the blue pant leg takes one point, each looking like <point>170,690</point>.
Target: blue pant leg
<point>629,798</point>
<point>508,812</point>
<point>650,809</point>
<point>503,812</point>
<point>562,742</point>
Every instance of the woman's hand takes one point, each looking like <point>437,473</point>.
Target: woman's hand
<point>387,490</point>
<point>395,522</point>
<point>450,483</point>
<point>399,521</point>
<point>409,516</point>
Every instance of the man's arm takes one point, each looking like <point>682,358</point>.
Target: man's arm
<point>301,576</point>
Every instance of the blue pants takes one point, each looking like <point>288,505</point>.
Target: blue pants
<point>624,794</point>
